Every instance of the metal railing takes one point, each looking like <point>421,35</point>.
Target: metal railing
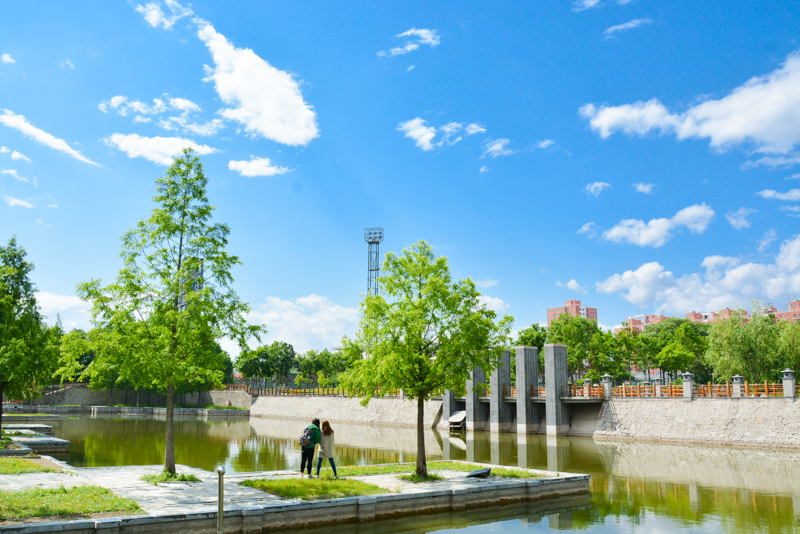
<point>308,392</point>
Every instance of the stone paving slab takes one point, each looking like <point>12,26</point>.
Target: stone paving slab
<point>33,427</point>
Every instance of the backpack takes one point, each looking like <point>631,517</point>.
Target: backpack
<point>305,439</point>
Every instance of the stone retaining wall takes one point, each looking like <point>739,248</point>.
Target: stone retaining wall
<point>773,422</point>
<point>81,395</point>
<point>386,412</point>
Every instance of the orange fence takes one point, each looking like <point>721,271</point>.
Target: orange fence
<point>306,392</point>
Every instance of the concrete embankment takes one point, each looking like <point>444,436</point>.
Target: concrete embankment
<point>19,412</point>
<point>750,421</point>
<point>381,412</point>
<point>81,395</point>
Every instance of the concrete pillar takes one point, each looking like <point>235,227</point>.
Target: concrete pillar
<point>560,521</point>
<point>445,447</point>
<point>477,412</point>
<point>789,385</point>
<point>555,377</point>
<point>738,386</point>
<point>688,386</point>
<point>606,383</point>
<point>657,387</point>
<point>527,378</point>
<point>499,386</point>
<point>494,448</point>
<point>553,463</point>
<point>448,406</point>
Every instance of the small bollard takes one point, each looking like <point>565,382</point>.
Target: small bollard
<point>220,478</point>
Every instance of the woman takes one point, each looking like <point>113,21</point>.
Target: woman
<point>326,448</point>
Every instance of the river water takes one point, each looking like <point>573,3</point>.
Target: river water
<point>641,487</point>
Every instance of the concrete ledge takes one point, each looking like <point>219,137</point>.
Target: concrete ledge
<point>56,410</point>
<point>304,513</point>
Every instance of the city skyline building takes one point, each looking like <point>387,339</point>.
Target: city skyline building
<point>573,308</point>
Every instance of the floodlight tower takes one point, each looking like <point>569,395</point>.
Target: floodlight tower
<point>373,237</point>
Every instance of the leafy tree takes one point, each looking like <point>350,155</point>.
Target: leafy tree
<point>425,336</point>
<point>533,336</point>
<point>28,347</point>
<point>274,360</point>
<point>577,334</point>
<point>156,325</point>
<point>746,347</point>
<point>227,370</point>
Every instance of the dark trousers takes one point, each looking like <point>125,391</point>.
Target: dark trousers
<point>319,465</point>
<point>308,458</point>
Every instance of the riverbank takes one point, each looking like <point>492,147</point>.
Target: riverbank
<point>18,411</point>
<point>190,506</point>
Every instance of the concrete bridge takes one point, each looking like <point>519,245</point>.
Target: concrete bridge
<point>526,408</point>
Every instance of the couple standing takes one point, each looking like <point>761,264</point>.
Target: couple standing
<point>311,436</point>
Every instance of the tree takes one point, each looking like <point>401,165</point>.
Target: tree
<point>274,360</point>
<point>156,325</point>
<point>533,336</point>
<point>576,333</point>
<point>27,345</point>
<point>425,336</point>
<point>746,347</point>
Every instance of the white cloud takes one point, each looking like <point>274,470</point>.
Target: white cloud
<point>656,232</point>
<point>474,128</point>
<point>422,135</point>
<point>795,176</point>
<point>764,111</point>
<point>493,303</point>
<point>4,150</point>
<point>773,162</point>
<point>67,63</point>
<point>642,187</point>
<point>595,188</point>
<point>18,122</point>
<point>140,118</point>
<point>410,68</point>
<point>766,241</point>
<point>726,281</point>
<point>738,218</point>
<point>312,322</point>
<point>496,148</point>
<point>485,283</point>
<point>625,27</point>
<point>546,143</point>
<point>265,100</point>
<point>573,285</point>
<point>580,5</point>
<point>161,150</point>
<point>483,169</point>
<point>590,229</point>
<point>13,173</point>
<point>5,58</point>
<point>791,194</point>
<point>450,130</point>
<point>154,15</point>
<point>11,201</point>
<point>123,106</point>
<point>17,155</point>
<point>792,209</point>
<point>418,37</point>
<point>73,311</point>
<point>256,167</point>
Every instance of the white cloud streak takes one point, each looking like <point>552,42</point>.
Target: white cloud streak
<point>582,5</point>
<point>643,188</point>
<point>417,37</point>
<point>738,218</point>
<point>590,229</point>
<point>496,147</point>
<point>14,174</point>
<point>595,188</point>
<point>572,285</point>
<point>485,283</point>
<point>15,202</point>
<point>764,111</point>
<point>5,58</point>
<point>771,194</point>
<point>635,23</point>
<point>656,232</point>
<point>726,281</point>
<point>769,236</point>
<point>256,167</point>
<point>494,303</point>
<point>161,150</point>
<point>156,17</point>
<point>483,169</point>
<point>73,311</point>
<point>20,123</point>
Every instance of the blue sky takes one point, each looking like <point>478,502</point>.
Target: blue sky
<point>640,156</point>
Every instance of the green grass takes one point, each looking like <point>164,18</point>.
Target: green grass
<point>164,476</point>
<point>18,466</point>
<point>415,478</point>
<point>360,470</point>
<point>314,488</point>
<point>61,501</point>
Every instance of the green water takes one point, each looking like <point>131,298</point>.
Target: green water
<point>641,487</point>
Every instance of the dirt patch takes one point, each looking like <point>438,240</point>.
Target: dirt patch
<point>73,517</point>
<point>45,463</point>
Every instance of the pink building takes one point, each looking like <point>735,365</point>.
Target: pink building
<point>573,308</point>
<point>638,323</point>
<point>792,315</point>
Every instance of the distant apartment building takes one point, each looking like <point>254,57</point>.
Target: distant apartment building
<point>792,315</point>
<point>713,317</point>
<point>638,323</point>
<point>573,308</point>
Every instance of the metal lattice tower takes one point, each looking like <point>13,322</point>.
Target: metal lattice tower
<point>373,237</point>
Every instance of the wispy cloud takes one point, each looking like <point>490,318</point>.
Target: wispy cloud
<point>161,150</point>
<point>154,15</point>
<point>635,23</point>
<point>416,37</point>
<point>573,285</point>
<point>642,187</point>
<point>595,188</point>
<point>20,123</point>
<point>14,174</point>
<point>20,156</point>
<point>590,229</point>
<point>545,143</point>
<point>5,58</point>
<point>15,202</point>
<point>485,283</point>
<point>791,194</point>
<point>738,218</point>
<point>582,5</point>
<point>483,169</point>
<point>769,236</point>
<point>256,167</point>
<point>424,135</point>
<point>496,147</point>
<point>67,63</point>
<point>656,232</point>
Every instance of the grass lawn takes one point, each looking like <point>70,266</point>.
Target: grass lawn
<point>415,478</point>
<point>312,489</point>
<point>163,476</point>
<point>358,470</point>
<point>18,466</point>
<point>61,501</point>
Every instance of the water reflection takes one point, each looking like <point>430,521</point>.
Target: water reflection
<point>664,487</point>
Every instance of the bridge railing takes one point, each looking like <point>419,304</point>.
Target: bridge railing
<point>307,392</point>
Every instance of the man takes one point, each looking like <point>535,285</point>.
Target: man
<point>314,437</point>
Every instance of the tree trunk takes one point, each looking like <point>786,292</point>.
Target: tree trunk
<point>1,408</point>
<point>169,447</point>
<point>137,398</point>
<point>422,464</point>
<point>111,395</point>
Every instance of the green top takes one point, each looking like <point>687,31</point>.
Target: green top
<point>316,436</point>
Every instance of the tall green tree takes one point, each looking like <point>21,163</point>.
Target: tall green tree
<point>27,345</point>
<point>158,322</point>
<point>268,361</point>
<point>577,334</point>
<point>424,336</point>
<point>745,346</point>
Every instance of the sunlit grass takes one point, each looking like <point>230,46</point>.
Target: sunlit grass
<point>164,476</point>
<point>362,470</point>
<point>61,501</point>
<point>312,489</point>
<point>415,478</point>
<point>18,466</point>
